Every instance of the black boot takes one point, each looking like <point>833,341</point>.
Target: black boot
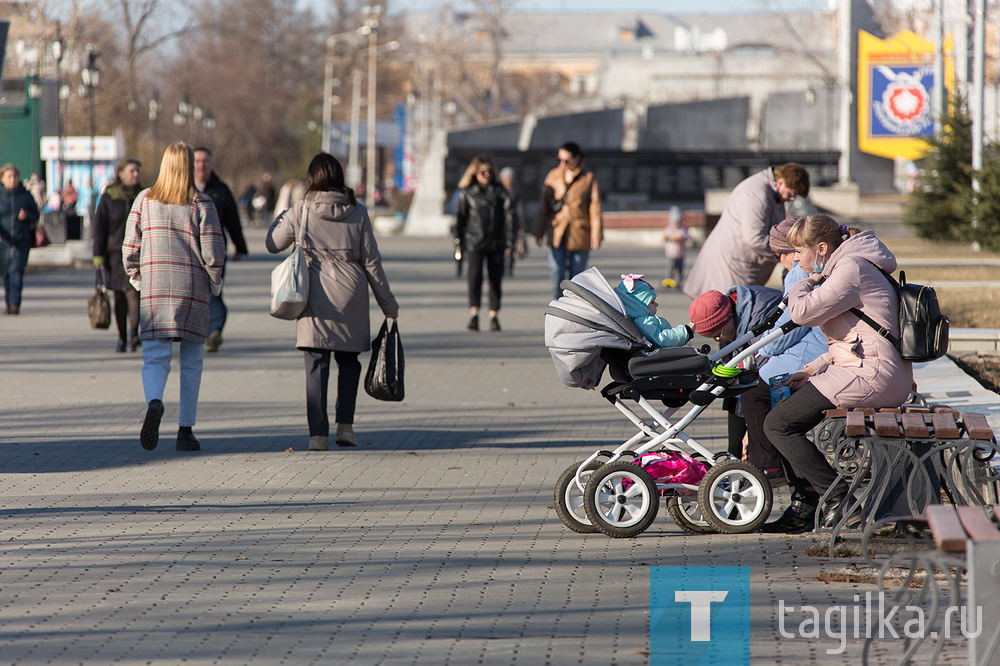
<point>186,441</point>
<point>149,436</point>
<point>798,518</point>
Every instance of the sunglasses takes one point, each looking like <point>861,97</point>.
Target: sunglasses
<point>485,172</point>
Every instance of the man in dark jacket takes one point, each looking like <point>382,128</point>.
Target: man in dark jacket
<point>207,181</point>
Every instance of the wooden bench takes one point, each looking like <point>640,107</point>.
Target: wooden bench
<point>898,461</point>
<point>966,539</point>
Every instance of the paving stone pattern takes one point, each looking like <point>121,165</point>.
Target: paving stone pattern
<point>434,542</point>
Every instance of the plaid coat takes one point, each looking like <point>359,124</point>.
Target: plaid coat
<point>174,255</point>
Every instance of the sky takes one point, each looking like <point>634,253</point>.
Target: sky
<point>667,6</point>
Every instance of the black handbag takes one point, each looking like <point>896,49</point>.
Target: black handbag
<point>384,380</point>
<point>99,305</point>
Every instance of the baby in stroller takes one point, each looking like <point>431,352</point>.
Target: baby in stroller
<point>588,330</point>
<point>639,299</point>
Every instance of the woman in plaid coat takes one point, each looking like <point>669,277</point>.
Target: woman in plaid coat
<point>173,254</point>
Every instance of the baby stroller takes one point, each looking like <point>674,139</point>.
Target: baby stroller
<point>617,492</point>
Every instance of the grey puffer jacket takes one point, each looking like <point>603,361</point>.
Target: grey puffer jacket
<point>344,261</point>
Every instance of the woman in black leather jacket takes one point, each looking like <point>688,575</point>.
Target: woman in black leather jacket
<point>485,228</point>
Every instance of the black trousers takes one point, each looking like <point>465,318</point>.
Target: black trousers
<point>317,388</point>
<point>126,312</point>
<point>786,426</point>
<point>756,405</point>
<point>494,260</point>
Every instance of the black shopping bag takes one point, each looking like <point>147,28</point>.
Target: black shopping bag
<point>384,380</point>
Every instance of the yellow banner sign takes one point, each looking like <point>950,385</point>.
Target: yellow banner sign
<point>895,81</point>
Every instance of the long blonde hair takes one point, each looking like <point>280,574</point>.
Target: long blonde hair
<point>175,183</point>
<point>812,230</point>
<point>469,177</point>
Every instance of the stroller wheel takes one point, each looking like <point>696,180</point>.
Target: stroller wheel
<point>686,512</point>
<point>569,499</point>
<point>621,499</point>
<point>735,497</point>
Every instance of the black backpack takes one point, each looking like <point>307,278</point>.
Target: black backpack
<point>923,329</point>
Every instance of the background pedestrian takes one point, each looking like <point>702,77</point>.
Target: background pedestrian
<point>207,181</point>
<point>109,233</point>
<point>569,216</point>
<point>18,216</point>
<point>675,238</point>
<point>484,225</point>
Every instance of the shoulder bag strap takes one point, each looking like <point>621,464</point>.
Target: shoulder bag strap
<point>879,328</point>
<point>570,184</point>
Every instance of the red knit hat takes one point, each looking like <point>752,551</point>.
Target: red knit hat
<point>710,311</point>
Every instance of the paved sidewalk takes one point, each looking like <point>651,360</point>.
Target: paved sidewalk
<point>434,542</point>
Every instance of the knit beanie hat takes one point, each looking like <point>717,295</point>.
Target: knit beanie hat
<point>710,311</point>
<point>779,233</point>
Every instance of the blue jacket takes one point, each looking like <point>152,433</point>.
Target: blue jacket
<point>656,329</point>
<point>753,305</point>
<point>793,350</point>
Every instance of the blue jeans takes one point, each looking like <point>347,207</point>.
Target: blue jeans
<point>217,310</point>
<point>156,355</point>
<point>564,264</point>
<point>13,282</point>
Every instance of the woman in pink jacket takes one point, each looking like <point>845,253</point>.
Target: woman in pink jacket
<point>860,368</point>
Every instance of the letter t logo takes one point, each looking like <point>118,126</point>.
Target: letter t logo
<point>701,610</point>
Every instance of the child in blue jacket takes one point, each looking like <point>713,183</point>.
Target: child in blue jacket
<point>639,300</point>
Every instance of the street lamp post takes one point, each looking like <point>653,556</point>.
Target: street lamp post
<point>329,82</point>
<point>91,75</point>
<point>181,117</point>
<point>154,113</point>
<point>370,149</point>
<point>353,167</point>
<point>57,53</point>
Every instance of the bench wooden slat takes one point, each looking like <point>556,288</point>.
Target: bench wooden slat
<point>890,410</point>
<point>914,426</point>
<point>835,413</point>
<point>977,524</point>
<point>977,427</point>
<point>916,409</point>
<point>946,528</point>
<point>944,409</point>
<point>855,426</point>
<point>945,426</point>
<point>886,425</point>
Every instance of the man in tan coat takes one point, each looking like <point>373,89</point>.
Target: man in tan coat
<point>737,251</point>
<point>569,216</point>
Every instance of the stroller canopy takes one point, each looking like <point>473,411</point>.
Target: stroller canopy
<point>586,319</point>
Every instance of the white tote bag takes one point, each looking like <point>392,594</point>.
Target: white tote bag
<point>290,280</point>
